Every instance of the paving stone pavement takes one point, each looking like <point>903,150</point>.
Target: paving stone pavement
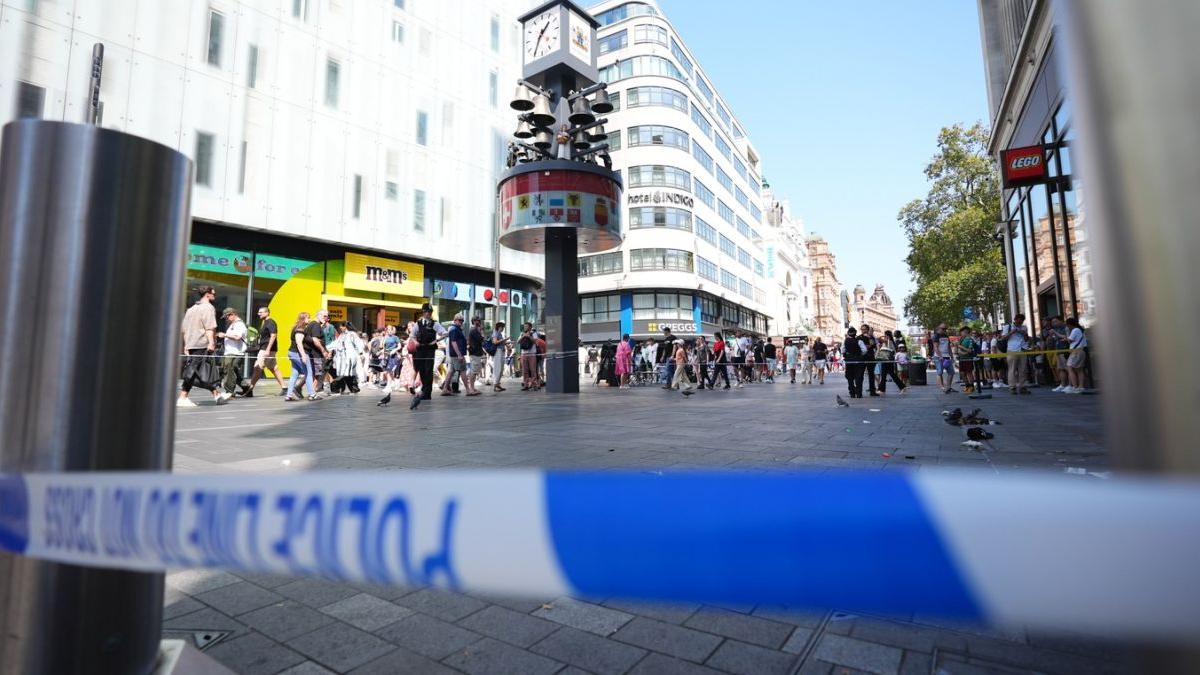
<point>265,624</point>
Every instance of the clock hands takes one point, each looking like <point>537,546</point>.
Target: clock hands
<point>539,37</point>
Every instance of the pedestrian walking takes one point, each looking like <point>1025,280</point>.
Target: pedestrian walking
<point>666,358</point>
<point>234,337</point>
<point>500,345</point>
<point>769,354</point>
<point>268,335</point>
<point>820,359</point>
<point>624,361</point>
<point>944,356</point>
<point>300,360</point>
<point>791,358</point>
<point>965,350</point>
<point>1077,342</point>
<point>720,361</point>
<point>476,357</point>
<point>456,360</point>
<point>527,344</point>
<point>427,333</point>
<point>854,350</point>
<point>198,331</point>
<point>885,353</point>
<point>680,378</point>
<point>318,349</point>
<point>703,356</point>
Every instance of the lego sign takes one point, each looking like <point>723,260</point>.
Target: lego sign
<point>1023,166</point>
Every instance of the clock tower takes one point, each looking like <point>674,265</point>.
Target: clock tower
<point>559,196</point>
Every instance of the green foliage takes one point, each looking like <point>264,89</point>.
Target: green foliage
<point>953,256</point>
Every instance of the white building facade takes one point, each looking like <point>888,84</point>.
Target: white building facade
<point>789,286</point>
<point>323,132</point>
<point>693,257</point>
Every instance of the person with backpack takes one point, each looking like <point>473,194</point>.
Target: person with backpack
<point>427,334</point>
<point>527,344</point>
<point>476,357</point>
<point>1077,342</point>
<point>720,361</point>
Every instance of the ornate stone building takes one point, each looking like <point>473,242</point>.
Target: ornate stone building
<point>827,308</point>
<point>876,310</point>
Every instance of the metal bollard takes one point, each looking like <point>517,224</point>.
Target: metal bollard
<point>94,227</point>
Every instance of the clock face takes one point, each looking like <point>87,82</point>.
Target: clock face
<point>543,34</point>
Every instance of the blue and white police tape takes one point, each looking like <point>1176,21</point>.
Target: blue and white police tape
<point>1112,557</point>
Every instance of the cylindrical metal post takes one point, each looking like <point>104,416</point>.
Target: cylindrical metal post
<point>94,226</point>
<point>93,116</point>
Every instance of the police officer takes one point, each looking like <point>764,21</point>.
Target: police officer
<point>428,332</point>
<point>854,350</point>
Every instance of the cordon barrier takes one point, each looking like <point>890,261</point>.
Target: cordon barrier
<point>1115,557</point>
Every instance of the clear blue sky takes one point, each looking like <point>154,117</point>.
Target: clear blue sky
<point>844,101</point>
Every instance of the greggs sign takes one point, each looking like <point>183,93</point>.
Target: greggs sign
<point>1023,166</point>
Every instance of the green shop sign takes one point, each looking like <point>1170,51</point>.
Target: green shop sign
<point>229,261</point>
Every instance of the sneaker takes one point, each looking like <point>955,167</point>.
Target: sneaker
<point>1059,388</point>
<point>1067,390</point>
<point>184,402</point>
<point>283,392</point>
<point>223,398</point>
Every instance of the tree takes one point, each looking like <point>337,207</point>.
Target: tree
<point>952,254</point>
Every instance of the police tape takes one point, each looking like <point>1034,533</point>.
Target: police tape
<point>1111,557</point>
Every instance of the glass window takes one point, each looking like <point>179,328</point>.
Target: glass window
<point>741,197</point>
<point>682,58</point>
<point>204,158</point>
<point>706,268</point>
<point>756,212</point>
<point>605,263</point>
<point>737,131</point>
<point>740,168</point>
<point>728,247</point>
<point>705,194</point>
<point>754,185</point>
<point>710,309</point>
<point>654,134</point>
<point>495,29</point>
<point>391,191</point>
<point>300,9</point>
<point>356,207</point>
<point>398,3</point>
<point>703,157</point>
<point>252,67</point>
<point>745,288</point>
<point>758,268</point>
<point>494,89</point>
<point>723,115</point>
<point>615,99</point>
<point>640,65</point>
<point>643,305</point>
<point>705,90</point>
<point>729,280</point>
<point>725,212</point>
<point>645,259</point>
<point>613,42</point>
<point>600,308</point>
<point>422,127</point>
<point>724,179</point>
<point>657,175</point>
<point>723,147</point>
<point>419,210</point>
<point>397,32</point>
<point>743,228</point>
<point>705,231</point>
<point>614,140</point>
<point>648,32</point>
<point>743,257</point>
<point>216,36</point>
<point>31,100</point>
<point>656,96</point>
<point>660,216</point>
<point>625,11</point>
<point>332,75</point>
<point>702,121</point>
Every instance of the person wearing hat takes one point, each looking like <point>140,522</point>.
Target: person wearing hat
<point>428,332</point>
<point>235,351</point>
<point>456,359</point>
<point>680,378</point>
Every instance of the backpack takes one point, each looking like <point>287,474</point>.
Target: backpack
<point>489,347</point>
<point>425,333</point>
<point>526,342</point>
<point>251,339</point>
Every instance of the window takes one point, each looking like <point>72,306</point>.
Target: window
<point>332,75</point>
<point>612,43</point>
<point>615,99</point>
<point>418,210</point>
<point>706,268</point>
<point>643,305</point>
<point>705,194</point>
<point>703,157</point>
<point>723,147</point>
<point>605,263</point>
<point>756,212</point>
<point>391,191</point>
<point>31,100</point>
<point>422,127</point>
<point>741,197</point>
<point>705,90</point>
<point>252,67</point>
<point>723,115</point>
<point>728,247</point>
<point>614,140</point>
<point>494,89</point>
<point>659,96</point>
<point>744,229</point>
<point>740,168</point>
<point>446,216</point>
<point>600,308</point>
<point>204,158</point>
<point>398,3</point>
<point>662,306</point>
<point>640,65</point>
<point>495,34</point>
<point>657,175</point>
<point>645,259</point>
<point>660,216</point>
<point>654,134</point>
<point>754,186</point>
<point>702,121</point>
<point>758,268</point>
<point>625,11</point>
<point>724,179</point>
<point>682,58</point>
<point>743,257</point>
<point>745,288</point>
<point>397,32</point>
<point>356,208</point>
<point>705,231</point>
<point>216,30</point>
<point>300,9</point>
<point>729,280</point>
<point>242,170</point>
<point>648,32</point>
<point>725,212</point>
<point>737,131</point>
<point>710,309</point>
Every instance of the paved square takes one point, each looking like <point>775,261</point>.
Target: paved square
<point>276,624</point>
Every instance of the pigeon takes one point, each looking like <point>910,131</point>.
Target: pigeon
<point>978,434</point>
<point>416,401</point>
<point>387,398</point>
<point>841,402</point>
<point>954,418</point>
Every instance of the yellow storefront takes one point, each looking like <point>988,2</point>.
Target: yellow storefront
<point>366,291</point>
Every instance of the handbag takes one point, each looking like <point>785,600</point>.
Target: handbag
<point>202,372</point>
<point>411,345</point>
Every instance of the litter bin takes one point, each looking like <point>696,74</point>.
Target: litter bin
<point>916,372</point>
